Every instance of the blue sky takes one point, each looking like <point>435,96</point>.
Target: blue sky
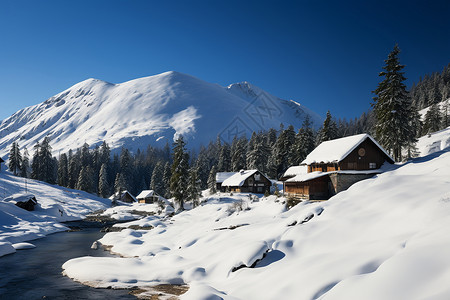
<point>323,54</point>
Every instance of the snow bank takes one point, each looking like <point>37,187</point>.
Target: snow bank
<point>384,238</point>
<point>55,205</point>
<point>434,142</point>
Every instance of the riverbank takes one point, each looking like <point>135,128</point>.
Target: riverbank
<point>55,205</point>
<point>36,273</point>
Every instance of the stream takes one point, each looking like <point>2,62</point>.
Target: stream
<point>37,274</point>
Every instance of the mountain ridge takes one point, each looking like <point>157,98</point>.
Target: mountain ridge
<point>149,110</point>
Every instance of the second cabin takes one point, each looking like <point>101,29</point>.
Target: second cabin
<point>148,196</point>
<point>247,181</point>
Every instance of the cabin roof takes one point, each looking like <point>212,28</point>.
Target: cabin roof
<point>317,174</point>
<point>295,170</point>
<point>122,195</point>
<point>239,178</point>
<point>146,193</point>
<point>222,176</point>
<point>338,149</point>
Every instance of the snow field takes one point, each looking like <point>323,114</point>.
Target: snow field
<point>384,238</point>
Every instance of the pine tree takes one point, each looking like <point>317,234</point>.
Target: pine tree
<point>47,162</point>
<point>126,168</point>
<point>104,154</point>
<point>445,114</point>
<point>63,171</point>
<point>15,159</point>
<point>224,164</point>
<point>238,154</point>
<point>257,158</point>
<point>74,169</point>
<point>212,180</point>
<point>166,180</point>
<point>432,119</point>
<point>193,189</point>
<point>328,131</point>
<point>119,184</point>
<point>202,167</point>
<point>180,174</point>
<point>304,142</point>
<point>282,150</point>
<point>103,184</point>
<point>157,183</point>
<point>36,163</point>
<point>86,180</point>
<point>85,155</point>
<point>395,114</point>
<point>24,168</point>
<point>114,168</point>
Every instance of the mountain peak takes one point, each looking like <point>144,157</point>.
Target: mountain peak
<point>149,111</point>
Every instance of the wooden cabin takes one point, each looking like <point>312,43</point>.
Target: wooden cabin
<point>220,178</point>
<point>124,196</point>
<point>335,165</point>
<point>148,196</point>
<point>248,181</point>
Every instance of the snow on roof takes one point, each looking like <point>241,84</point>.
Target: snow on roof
<point>336,150</point>
<point>317,174</point>
<point>239,178</point>
<point>113,196</point>
<point>295,170</point>
<point>146,193</point>
<point>221,176</point>
<point>19,197</point>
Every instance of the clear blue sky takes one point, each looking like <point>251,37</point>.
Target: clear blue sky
<point>324,54</point>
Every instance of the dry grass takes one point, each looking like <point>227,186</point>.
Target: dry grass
<point>160,292</point>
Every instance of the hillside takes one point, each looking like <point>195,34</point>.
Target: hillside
<point>151,110</point>
<point>383,238</point>
<point>55,205</point>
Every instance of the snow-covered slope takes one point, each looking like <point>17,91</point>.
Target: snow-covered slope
<point>434,142</point>
<point>384,238</point>
<point>55,204</point>
<point>150,110</point>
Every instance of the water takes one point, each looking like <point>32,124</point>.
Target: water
<point>37,273</point>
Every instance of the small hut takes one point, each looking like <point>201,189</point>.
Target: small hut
<point>124,196</point>
<point>248,181</point>
<point>148,196</point>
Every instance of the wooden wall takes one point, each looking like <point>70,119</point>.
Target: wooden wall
<point>313,189</point>
<point>354,161</point>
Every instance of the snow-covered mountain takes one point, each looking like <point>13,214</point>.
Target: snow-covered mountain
<point>150,110</point>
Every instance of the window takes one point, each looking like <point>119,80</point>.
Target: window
<point>257,177</point>
<point>372,165</point>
